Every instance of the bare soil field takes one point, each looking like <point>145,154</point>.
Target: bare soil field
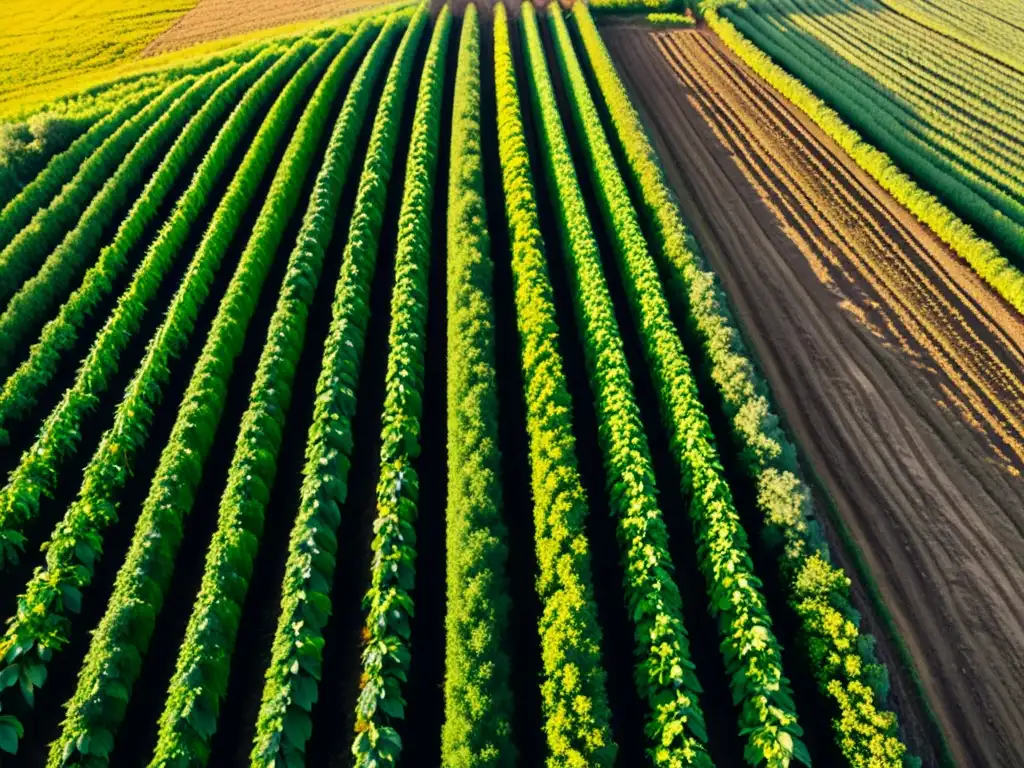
<point>213,19</point>
<point>899,372</point>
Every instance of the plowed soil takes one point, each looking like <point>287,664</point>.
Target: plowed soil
<point>213,19</point>
<point>898,370</point>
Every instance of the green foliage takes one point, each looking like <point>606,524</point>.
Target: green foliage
<point>34,242</point>
<point>388,603</point>
<point>477,687</point>
<point>21,201</point>
<point>60,334</point>
<point>670,19</point>
<point>62,268</point>
<point>664,672</point>
<point>284,725</point>
<point>827,619</point>
<point>112,664</point>
<point>40,626</point>
<point>751,652</point>
<point>201,676</point>
<point>37,472</point>
<point>989,210</point>
<point>575,707</point>
<point>636,6</point>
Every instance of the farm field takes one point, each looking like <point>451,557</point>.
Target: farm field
<point>214,19</point>
<point>468,384</point>
<point>898,369</point>
<point>947,113</point>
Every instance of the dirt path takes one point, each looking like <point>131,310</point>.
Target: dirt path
<point>898,370</point>
<point>213,19</point>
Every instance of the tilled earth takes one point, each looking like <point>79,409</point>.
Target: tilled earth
<point>899,371</point>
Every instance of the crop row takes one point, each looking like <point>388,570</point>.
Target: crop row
<point>46,185</point>
<point>39,628</point>
<point>34,242</point>
<point>114,658</point>
<point>284,723</point>
<point>478,696</point>
<point>21,389</point>
<point>817,590</point>
<point>1001,216</point>
<point>388,602</point>
<point>665,672</point>
<point>752,654</point>
<point>577,718</point>
<point>63,267</point>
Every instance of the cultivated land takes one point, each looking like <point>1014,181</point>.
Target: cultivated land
<point>897,368</point>
<point>948,113</point>
<point>364,397</point>
<point>213,19</point>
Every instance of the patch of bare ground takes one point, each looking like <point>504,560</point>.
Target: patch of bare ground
<point>214,19</point>
<point>898,370</point>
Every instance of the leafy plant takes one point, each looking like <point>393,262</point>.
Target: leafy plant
<point>284,725</point>
<point>60,334</point>
<point>34,242</point>
<point>577,719</point>
<point>817,589</point>
<point>750,650</point>
<point>55,590</point>
<point>202,107</point>
<point>477,681</point>
<point>665,674</point>
<point>388,602</point>
<point>112,664</point>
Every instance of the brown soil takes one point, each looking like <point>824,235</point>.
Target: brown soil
<point>214,19</point>
<point>898,370</point>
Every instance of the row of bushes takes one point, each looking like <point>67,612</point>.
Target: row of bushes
<point>112,664</point>
<point>843,663</point>
<point>752,654</point>
<point>388,602</point>
<point>55,590</point>
<point>284,724</point>
<point>1005,277</point>
<point>477,687</point>
<point>60,334</point>
<point>664,671</point>
<point>203,108</point>
<point>575,708</point>
<point>27,250</point>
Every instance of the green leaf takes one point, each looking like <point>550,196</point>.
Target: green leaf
<point>10,732</point>
<point>9,676</point>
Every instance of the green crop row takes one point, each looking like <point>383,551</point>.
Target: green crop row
<point>34,242</point>
<point>575,707</point>
<point>284,724</point>
<point>752,655</point>
<point>46,185</point>
<point>32,303</point>
<point>201,677</point>
<point>817,590</point>
<point>40,626</point>
<point>665,672</point>
<point>38,471</point>
<point>388,602</point>
<point>115,654</point>
<point>60,334</point>
<point>477,681</point>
